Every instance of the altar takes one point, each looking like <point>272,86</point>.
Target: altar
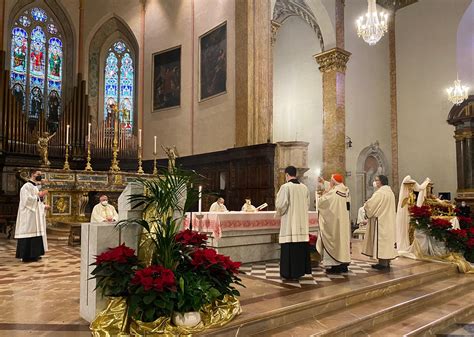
<point>245,237</point>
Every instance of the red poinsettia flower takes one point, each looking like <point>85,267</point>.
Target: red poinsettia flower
<point>470,243</point>
<point>464,221</point>
<point>188,237</point>
<point>120,254</point>
<point>420,212</point>
<point>441,224</point>
<point>460,233</point>
<point>208,258</point>
<point>155,278</point>
<point>312,239</point>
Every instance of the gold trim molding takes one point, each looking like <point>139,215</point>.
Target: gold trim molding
<point>274,27</point>
<point>333,60</point>
<point>467,134</point>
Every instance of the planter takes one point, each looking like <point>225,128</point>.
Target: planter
<point>188,319</point>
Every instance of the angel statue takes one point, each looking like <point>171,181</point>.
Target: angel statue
<point>42,146</point>
<point>172,154</point>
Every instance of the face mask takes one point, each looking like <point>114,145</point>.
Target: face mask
<point>38,178</point>
<point>374,184</point>
<point>104,203</point>
<point>463,204</point>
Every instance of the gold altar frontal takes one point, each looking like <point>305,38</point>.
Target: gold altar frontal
<point>69,190</point>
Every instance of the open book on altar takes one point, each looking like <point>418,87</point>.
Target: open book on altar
<point>262,206</point>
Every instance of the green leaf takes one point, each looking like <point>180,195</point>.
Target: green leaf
<point>150,298</point>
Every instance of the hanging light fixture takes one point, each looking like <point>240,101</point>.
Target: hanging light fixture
<point>373,26</point>
<point>458,93</point>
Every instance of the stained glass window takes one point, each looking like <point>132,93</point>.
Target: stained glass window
<point>39,15</point>
<point>25,22</point>
<point>119,83</point>
<point>37,64</point>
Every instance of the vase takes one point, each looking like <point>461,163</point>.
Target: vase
<point>187,319</point>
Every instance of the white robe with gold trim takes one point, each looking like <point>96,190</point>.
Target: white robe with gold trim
<point>334,226</point>
<point>100,213</point>
<point>380,237</point>
<point>31,218</point>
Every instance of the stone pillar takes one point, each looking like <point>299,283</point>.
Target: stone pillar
<point>253,68</point>
<point>393,103</point>
<point>332,64</point>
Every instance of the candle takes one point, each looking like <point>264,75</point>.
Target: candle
<point>139,137</point>
<point>67,134</point>
<point>200,199</point>
<point>154,148</point>
<point>89,133</point>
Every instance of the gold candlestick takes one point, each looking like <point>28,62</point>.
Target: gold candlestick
<point>114,167</point>
<point>66,162</point>
<point>140,168</point>
<point>155,169</point>
<point>88,165</point>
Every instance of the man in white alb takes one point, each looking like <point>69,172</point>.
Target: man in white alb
<point>218,206</point>
<point>103,211</point>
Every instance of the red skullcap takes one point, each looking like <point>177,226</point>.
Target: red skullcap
<point>338,178</point>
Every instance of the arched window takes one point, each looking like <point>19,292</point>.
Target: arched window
<point>119,88</point>
<point>36,64</point>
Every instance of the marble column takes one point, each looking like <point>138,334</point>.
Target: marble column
<point>393,102</point>
<point>332,64</point>
<point>253,111</point>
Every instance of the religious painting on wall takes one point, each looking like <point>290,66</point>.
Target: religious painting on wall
<point>61,204</point>
<point>213,62</point>
<point>167,79</point>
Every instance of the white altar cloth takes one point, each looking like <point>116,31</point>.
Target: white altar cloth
<point>234,221</point>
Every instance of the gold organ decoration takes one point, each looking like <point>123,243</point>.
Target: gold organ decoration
<point>114,167</point>
<point>42,145</point>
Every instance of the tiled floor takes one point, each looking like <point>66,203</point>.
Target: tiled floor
<point>270,271</point>
<point>460,329</point>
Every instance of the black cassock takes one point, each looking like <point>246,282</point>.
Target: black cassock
<point>295,260</point>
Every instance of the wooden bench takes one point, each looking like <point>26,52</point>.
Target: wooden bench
<point>75,235</point>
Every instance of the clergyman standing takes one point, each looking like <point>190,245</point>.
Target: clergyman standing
<point>292,204</point>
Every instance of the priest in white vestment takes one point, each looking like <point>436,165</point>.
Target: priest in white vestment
<point>218,206</point>
<point>292,205</point>
<point>334,237</point>
<point>103,211</point>
<point>248,207</point>
<point>31,220</point>
<point>380,238</point>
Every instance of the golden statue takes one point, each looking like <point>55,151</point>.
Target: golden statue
<point>172,154</point>
<point>42,147</point>
<point>61,205</point>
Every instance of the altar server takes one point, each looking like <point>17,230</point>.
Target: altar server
<point>334,227</point>
<point>218,206</point>
<point>380,238</point>
<point>292,204</point>
<point>31,220</point>
<point>103,211</point>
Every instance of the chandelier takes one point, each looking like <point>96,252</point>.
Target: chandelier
<point>373,26</point>
<point>458,93</point>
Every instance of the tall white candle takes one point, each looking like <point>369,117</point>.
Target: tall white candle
<point>67,134</point>
<point>89,133</point>
<point>154,148</point>
<point>139,137</point>
<point>200,199</point>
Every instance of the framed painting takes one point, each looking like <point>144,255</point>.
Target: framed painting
<point>213,62</point>
<point>61,204</point>
<point>167,79</point>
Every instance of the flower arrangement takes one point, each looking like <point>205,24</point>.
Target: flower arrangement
<point>180,274</point>
<point>152,293</point>
<point>456,240</point>
<point>114,270</point>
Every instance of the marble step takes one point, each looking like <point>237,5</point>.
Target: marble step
<point>363,319</point>
<point>431,320</point>
<point>269,313</point>
<point>58,237</point>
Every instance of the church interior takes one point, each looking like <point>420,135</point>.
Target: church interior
<point>100,94</point>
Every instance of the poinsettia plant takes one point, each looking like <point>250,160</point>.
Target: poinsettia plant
<point>114,269</point>
<point>152,293</point>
